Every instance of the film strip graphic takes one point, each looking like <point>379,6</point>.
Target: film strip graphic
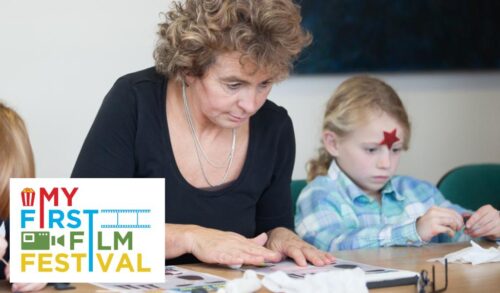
<point>127,219</point>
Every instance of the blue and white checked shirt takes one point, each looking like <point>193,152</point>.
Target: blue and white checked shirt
<point>335,214</point>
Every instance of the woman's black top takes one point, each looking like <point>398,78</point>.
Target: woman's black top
<point>130,138</point>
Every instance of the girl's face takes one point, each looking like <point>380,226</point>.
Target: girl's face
<point>370,154</point>
<point>228,94</point>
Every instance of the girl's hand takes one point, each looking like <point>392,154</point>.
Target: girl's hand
<point>438,220</point>
<point>484,222</point>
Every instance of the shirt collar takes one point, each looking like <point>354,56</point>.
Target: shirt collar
<point>353,191</point>
<point>389,190</point>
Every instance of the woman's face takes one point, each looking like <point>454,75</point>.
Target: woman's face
<point>229,92</point>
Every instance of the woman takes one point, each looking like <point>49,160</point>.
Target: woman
<point>16,161</point>
<point>201,120</point>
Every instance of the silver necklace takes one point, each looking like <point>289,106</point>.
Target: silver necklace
<point>199,149</point>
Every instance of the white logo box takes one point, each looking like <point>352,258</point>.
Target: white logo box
<point>114,230</point>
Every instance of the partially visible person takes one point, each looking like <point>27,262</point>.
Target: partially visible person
<point>202,121</point>
<point>3,243</point>
<point>16,161</point>
<point>355,200</point>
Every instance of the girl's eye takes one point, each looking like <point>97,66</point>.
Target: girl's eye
<point>370,150</point>
<point>396,150</point>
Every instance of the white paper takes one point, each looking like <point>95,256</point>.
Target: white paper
<point>346,281</point>
<point>248,284</point>
<point>474,254</point>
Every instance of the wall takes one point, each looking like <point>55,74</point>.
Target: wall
<point>455,118</point>
<point>59,58</point>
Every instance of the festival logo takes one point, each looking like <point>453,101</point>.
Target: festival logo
<point>87,230</point>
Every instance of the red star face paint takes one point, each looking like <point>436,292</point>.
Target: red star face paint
<point>389,138</point>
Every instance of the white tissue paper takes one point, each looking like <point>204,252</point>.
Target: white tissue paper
<point>248,284</point>
<point>474,255</point>
<point>333,281</point>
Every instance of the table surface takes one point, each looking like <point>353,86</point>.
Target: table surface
<point>461,277</point>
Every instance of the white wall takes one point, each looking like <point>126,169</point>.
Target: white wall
<point>59,58</point>
<point>455,118</point>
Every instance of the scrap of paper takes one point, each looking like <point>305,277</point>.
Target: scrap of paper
<point>248,284</point>
<point>347,281</point>
<point>474,254</point>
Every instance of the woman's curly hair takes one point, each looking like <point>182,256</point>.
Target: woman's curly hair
<point>348,108</point>
<point>266,32</point>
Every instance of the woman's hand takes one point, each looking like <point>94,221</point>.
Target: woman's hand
<point>484,222</point>
<point>214,246</point>
<point>438,220</point>
<point>288,244</point>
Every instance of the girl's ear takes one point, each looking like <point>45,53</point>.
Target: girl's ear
<point>331,142</point>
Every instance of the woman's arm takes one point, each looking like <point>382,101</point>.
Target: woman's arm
<point>288,244</point>
<point>108,149</point>
<point>215,246</point>
<point>274,209</point>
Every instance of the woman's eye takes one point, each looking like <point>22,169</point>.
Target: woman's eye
<point>370,150</point>
<point>396,150</point>
<point>265,84</point>
<point>233,86</point>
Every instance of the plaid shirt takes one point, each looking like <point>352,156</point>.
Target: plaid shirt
<point>335,214</point>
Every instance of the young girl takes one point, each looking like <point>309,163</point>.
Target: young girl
<point>16,161</point>
<point>355,200</point>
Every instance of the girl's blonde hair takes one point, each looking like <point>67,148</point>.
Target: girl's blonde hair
<point>349,107</point>
<point>16,156</point>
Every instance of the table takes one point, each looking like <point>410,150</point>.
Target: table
<point>462,278</point>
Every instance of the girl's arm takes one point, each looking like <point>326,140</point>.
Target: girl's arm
<point>331,224</point>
